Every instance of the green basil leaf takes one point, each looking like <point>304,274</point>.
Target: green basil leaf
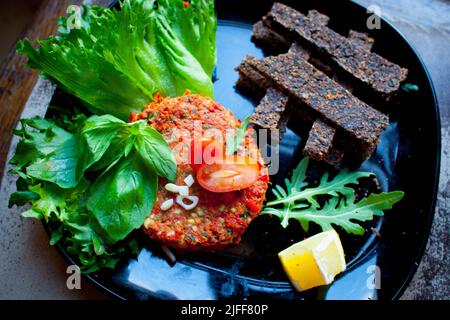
<point>99,132</point>
<point>156,153</point>
<point>122,199</point>
<point>96,216</point>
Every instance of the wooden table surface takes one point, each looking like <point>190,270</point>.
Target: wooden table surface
<point>29,268</point>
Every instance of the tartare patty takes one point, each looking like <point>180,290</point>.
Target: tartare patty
<point>219,219</point>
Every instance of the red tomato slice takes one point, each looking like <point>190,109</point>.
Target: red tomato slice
<point>232,174</point>
<point>205,152</point>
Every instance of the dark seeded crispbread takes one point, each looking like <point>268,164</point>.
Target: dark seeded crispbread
<point>320,140</point>
<point>319,145</point>
<point>272,113</point>
<point>252,82</point>
<point>367,68</point>
<point>270,40</point>
<point>301,81</point>
<point>361,40</point>
<point>318,17</point>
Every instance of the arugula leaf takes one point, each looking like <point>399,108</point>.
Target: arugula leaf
<point>341,213</point>
<point>296,191</point>
<point>300,202</point>
<point>169,49</point>
<point>122,199</point>
<point>234,141</point>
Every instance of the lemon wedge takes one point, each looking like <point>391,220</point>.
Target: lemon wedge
<point>315,261</point>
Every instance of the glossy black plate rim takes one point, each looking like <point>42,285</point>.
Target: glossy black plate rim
<point>423,245</point>
<point>431,211</point>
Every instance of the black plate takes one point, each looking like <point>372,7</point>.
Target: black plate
<point>407,158</point>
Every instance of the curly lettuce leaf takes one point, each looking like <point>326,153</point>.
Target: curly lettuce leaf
<point>119,59</point>
<point>39,137</point>
<point>77,231</point>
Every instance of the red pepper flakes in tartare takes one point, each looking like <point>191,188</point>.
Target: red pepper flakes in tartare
<point>219,219</point>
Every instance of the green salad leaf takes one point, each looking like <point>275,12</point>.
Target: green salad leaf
<point>148,142</point>
<point>97,182</point>
<point>296,191</point>
<point>300,202</point>
<point>117,60</point>
<point>64,166</point>
<point>21,198</point>
<point>39,137</point>
<point>123,198</point>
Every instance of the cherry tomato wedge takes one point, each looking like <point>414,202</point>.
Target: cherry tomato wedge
<point>232,174</point>
<point>205,152</point>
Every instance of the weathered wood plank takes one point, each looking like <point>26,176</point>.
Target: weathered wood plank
<point>16,79</point>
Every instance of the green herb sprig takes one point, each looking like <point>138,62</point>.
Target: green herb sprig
<point>235,140</point>
<point>300,202</point>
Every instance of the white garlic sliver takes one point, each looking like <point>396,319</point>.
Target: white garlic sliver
<point>166,205</point>
<point>171,187</point>
<point>192,205</point>
<point>183,191</point>
<point>189,180</point>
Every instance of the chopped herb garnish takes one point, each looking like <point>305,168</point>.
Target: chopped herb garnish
<point>234,141</point>
<point>409,87</point>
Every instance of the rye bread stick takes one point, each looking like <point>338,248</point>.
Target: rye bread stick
<point>365,67</point>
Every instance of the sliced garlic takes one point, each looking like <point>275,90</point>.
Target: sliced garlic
<point>189,180</point>
<point>166,205</point>
<point>181,190</point>
<point>171,187</point>
<point>194,201</point>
